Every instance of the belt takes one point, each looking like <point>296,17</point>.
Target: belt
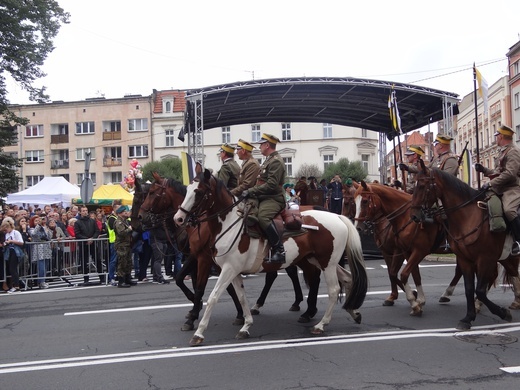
<point>336,198</point>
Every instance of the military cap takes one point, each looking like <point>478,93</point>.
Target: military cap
<point>269,138</point>
<point>443,139</point>
<point>241,144</point>
<point>505,130</point>
<point>227,148</point>
<point>122,209</point>
<point>286,185</point>
<point>413,149</point>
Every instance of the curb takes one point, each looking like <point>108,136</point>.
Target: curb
<point>441,259</point>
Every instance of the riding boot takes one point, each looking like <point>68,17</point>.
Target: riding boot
<point>277,250</point>
<point>515,229</point>
<point>129,281</point>
<point>122,283</point>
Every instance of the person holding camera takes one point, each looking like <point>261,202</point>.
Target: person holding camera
<point>41,252</point>
<point>13,253</point>
<point>336,194</point>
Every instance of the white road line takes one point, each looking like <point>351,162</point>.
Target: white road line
<point>511,370</point>
<point>50,364</point>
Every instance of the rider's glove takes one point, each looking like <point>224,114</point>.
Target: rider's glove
<point>403,167</point>
<point>486,187</point>
<point>479,167</point>
<point>245,194</point>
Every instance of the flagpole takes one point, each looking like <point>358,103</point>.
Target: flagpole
<point>476,119</point>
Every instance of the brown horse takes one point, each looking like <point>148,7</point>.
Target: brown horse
<point>207,199</point>
<point>467,226</point>
<point>165,196</point>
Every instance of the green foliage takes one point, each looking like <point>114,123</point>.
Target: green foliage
<point>27,29</point>
<point>169,167</point>
<point>309,170</point>
<point>345,169</point>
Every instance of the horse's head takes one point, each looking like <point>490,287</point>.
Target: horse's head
<point>197,195</point>
<point>367,205</point>
<point>425,193</point>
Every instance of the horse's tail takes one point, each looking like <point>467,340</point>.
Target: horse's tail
<point>354,251</point>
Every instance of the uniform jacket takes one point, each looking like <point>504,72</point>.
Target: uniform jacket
<point>270,180</point>
<point>505,174</point>
<point>447,162</point>
<point>248,175</point>
<point>229,173</point>
<point>412,177</point>
<point>123,233</point>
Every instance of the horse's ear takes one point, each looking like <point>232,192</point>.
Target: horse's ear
<point>198,168</point>
<point>355,184</point>
<point>207,174</point>
<point>364,185</point>
<point>156,177</point>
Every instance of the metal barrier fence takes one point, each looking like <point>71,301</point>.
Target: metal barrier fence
<point>67,260</point>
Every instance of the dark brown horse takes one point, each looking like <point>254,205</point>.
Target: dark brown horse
<point>439,194</point>
<point>207,199</point>
<point>164,197</point>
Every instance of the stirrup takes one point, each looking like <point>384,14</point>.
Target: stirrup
<point>272,254</point>
<point>515,250</point>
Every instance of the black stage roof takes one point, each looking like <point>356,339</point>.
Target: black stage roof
<point>347,101</point>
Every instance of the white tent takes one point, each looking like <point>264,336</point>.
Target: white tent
<point>50,190</point>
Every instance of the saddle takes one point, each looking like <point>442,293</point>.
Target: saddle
<point>493,204</point>
<point>288,221</point>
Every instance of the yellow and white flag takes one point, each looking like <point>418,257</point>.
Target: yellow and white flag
<point>188,168</point>
<point>482,89</point>
<point>394,113</point>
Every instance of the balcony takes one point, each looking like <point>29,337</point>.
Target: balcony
<point>59,164</point>
<point>112,162</point>
<point>111,135</point>
<point>59,138</point>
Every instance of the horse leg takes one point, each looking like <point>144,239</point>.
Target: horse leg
<point>393,264</point>
<point>269,280</point>
<point>331,279</point>
<point>451,288</point>
<point>186,269</point>
<point>226,277</point>
<point>345,279</point>
<point>238,286</point>
<point>469,291</point>
<point>413,263</point>
<point>515,281</point>
<point>481,291</point>
<point>292,271</point>
<point>239,319</point>
<point>312,278</point>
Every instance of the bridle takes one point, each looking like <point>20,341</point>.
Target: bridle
<point>157,197</point>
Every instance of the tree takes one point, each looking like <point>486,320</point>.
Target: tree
<point>345,169</point>
<point>169,167</point>
<point>27,30</point>
<point>309,170</point>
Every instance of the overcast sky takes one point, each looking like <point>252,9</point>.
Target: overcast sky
<point>118,47</point>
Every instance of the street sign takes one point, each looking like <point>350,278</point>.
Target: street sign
<point>86,190</point>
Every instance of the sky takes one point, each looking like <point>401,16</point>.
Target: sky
<point>113,48</point>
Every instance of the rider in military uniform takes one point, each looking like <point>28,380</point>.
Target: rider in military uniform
<point>123,247</point>
<point>270,194</point>
<point>230,170</point>
<point>413,154</point>
<point>445,159</point>
<point>505,180</point>
<point>250,167</point>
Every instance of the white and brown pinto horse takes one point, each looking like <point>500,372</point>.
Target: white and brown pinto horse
<point>236,252</point>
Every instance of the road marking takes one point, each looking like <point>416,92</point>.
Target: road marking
<point>51,364</point>
<point>511,370</point>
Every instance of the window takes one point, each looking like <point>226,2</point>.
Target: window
<point>327,160</point>
<point>34,131</point>
<point>517,128</point>
<point>33,180</point>
<point>168,107</point>
<point>34,155</point>
<point>516,68</point>
<point>113,177</point>
<point>286,132</point>
<point>115,126</point>
<point>138,151</point>
<point>169,137</point>
<point>364,161</point>
<point>288,165</point>
<point>85,128</point>
<point>255,133</point>
<point>138,124</point>
<point>517,100</point>
<point>81,176</point>
<point>364,133</point>
<point>80,153</point>
<point>63,129</point>
<point>327,130</point>
<point>226,135</point>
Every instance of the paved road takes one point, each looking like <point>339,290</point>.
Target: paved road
<point>104,337</point>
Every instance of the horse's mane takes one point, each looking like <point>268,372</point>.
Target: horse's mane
<point>381,188</point>
<point>457,185</point>
<point>177,186</point>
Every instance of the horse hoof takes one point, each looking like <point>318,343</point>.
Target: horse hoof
<point>357,318</point>
<point>416,312</point>
<point>242,335</point>
<point>388,303</point>
<point>304,320</point>
<point>444,300</point>
<point>196,340</point>
<point>317,331</point>
<point>514,306</point>
<point>186,327</point>
<point>508,317</point>
<point>463,326</point>
<point>294,308</point>
<point>255,312</point>
<point>239,321</point>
